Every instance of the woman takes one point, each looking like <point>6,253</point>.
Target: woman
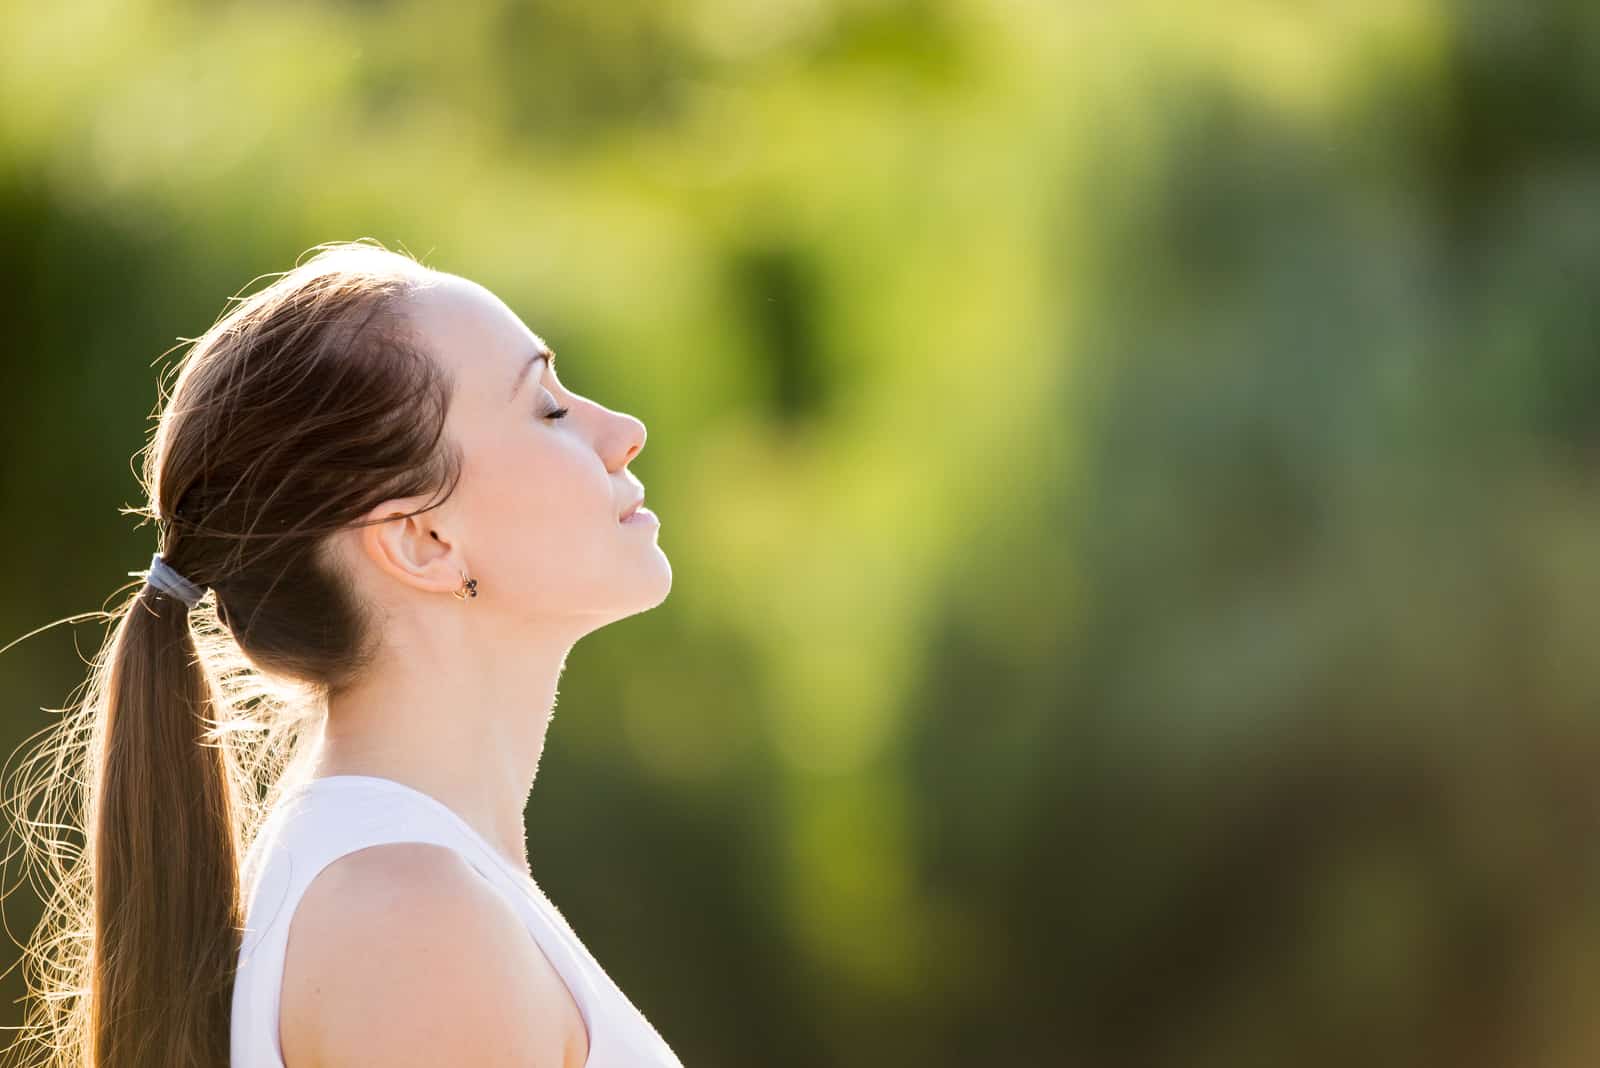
<point>406,521</point>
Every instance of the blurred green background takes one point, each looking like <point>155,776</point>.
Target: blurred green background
<point>1128,469</point>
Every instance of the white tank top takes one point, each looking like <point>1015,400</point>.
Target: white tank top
<point>323,819</point>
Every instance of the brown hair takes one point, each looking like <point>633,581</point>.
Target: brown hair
<point>297,413</point>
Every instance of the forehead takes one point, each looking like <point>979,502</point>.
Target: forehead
<point>474,335</point>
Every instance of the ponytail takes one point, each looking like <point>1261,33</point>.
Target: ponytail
<point>168,913</point>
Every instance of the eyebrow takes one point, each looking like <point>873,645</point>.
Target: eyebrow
<point>548,355</point>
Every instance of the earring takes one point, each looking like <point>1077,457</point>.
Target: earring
<point>468,586</point>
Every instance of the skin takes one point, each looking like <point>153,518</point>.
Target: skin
<point>459,702</point>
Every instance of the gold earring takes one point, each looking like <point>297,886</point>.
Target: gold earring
<point>467,586</point>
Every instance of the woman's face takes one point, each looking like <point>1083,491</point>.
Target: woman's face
<point>535,518</point>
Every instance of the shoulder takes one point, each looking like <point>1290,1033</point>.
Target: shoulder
<point>401,954</point>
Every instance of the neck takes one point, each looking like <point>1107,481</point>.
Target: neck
<point>465,725</point>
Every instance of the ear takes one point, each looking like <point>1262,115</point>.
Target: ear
<point>410,548</point>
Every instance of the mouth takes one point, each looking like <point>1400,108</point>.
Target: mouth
<point>632,508</point>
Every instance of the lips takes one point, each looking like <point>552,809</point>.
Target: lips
<point>632,508</point>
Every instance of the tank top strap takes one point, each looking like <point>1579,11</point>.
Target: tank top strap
<point>319,821</point>
<point>303,837</point>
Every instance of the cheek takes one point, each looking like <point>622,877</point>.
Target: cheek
<point>540,501</point>
<point>500,492</point>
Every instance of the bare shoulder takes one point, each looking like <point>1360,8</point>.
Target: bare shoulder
<point>401,954</point>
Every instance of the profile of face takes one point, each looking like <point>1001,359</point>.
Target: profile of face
<point>536,517</point>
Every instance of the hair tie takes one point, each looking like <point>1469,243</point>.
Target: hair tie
<point>164,578</point>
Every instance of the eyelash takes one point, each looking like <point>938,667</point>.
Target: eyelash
<point>559,413</point>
